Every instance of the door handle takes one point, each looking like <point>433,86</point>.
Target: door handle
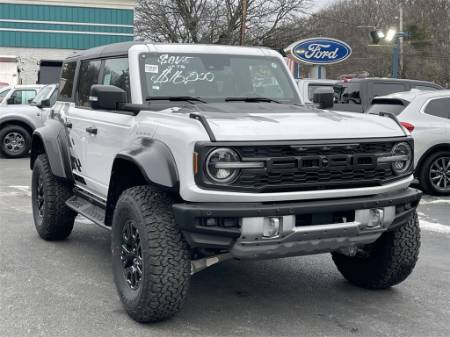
<point>92,130</point>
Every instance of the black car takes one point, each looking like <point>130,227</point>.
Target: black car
<point>355,95</point>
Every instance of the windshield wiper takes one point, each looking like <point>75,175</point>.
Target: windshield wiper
<point>251,99</point>
<point>175,98</point>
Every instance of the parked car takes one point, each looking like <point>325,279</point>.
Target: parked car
<point>356,94</point>
<point>18,94</point>
<point>209,162</point>
<point>307,87</point>
<point>427,116</point>
<point>18,121</point>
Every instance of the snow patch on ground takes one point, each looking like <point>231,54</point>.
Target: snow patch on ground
<point>25,189</point>
<point>434,227</point>
<point>433,202</point>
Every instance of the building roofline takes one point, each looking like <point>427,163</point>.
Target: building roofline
<point>116,4</point>
<point>122,48</point>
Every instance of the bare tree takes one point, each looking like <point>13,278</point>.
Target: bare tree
<point>213,21</point>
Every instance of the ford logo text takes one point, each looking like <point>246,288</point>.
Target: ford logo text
<point>320,51</point>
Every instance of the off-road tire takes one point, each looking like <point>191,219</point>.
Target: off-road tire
<point>56,222</point>
<point>424,174</point>
<point>165,255</point>
<point>19,130</point>
<point>387,262</point>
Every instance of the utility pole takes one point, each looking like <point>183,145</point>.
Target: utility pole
<point>243,21</point>
<point>401,41</point>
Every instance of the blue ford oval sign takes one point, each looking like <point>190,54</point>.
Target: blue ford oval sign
<point>320,50</point>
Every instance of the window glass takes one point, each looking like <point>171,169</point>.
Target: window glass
<point>89,71</point>
<point>42,94</point>
<point>439,107</point>
<point>3,94</point>
<point>21,96</point>
<point>116,73</point>
<point>348,94</point>
<point>396,109</point>
<point>66,81</point>
<point>381,89</point>
<point>216,77</point>
<point>53,97</point>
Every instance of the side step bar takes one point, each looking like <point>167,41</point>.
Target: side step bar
<point>89,210</point>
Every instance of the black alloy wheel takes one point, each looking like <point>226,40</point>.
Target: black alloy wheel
<point>131,255</point>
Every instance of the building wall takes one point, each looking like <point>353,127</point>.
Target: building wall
<point>54,29</point>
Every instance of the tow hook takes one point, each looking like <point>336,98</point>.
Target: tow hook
<point>348,251</point>
<point>200,264</point>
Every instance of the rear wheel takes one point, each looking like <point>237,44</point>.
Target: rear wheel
<point>435,174</point>
<point>151,263</point>
<point>386,262</point>
<point>14,141</point>
<point>52,218</point>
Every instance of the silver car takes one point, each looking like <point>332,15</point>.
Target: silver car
<point>18,121</point>
<point>427,116</point>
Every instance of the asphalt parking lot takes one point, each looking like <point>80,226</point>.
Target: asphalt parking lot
<point>66,288</point>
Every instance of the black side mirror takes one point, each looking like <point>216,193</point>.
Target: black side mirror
<point>30,100</point>
<point>324,98</point>
<point>10,100</point>
<point>45,103</point>
<point>107,97</point>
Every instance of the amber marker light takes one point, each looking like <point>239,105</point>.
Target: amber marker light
<point>195,162</point>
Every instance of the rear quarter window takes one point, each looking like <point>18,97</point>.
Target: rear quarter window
<point>439,107</point>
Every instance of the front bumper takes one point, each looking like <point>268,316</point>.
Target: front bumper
<point>297,237</point>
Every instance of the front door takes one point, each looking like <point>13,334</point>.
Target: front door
<point>98,135</point>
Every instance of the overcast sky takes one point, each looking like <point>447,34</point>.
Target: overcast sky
<point>318,4</point>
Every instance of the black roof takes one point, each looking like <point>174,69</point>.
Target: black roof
<point>382,79</point>
<point>114,49</point>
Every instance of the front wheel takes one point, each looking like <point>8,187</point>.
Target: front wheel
<point>386,262</point>
<point>151,263</point>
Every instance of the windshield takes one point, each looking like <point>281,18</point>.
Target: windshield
<point>42,94</point>
<point>216,77</point>
<point>3,93</point>
<point>395,108</point>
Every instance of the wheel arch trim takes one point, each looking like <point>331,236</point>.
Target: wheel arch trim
<point>53,141</point>
<point>427,153</point>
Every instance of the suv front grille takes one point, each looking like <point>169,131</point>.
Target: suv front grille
<point>311,166</point>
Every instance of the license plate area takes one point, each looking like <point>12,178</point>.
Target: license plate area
<point>312,219</point>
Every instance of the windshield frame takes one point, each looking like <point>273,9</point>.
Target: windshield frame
<point>296,99</point>
<point>2,90</point>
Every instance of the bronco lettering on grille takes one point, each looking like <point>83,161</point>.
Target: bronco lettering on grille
<point>321,162</point>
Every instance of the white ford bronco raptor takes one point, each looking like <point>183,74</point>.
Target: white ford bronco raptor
<point>194,154</point>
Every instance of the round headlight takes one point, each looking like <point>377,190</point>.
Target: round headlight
<point>220,173</point>
<point>404,153</point>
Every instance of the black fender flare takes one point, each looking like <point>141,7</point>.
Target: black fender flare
<point>53,140</point>
<point>154,160</point>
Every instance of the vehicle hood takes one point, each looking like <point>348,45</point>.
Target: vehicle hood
<point>271,121</point>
